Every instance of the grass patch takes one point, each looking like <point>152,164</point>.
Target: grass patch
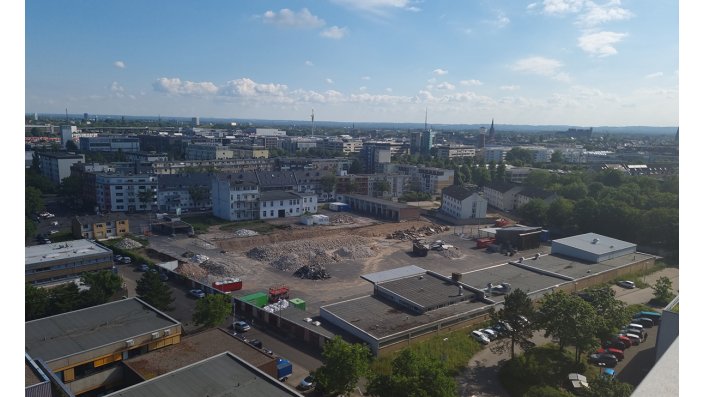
<point>140,240</point>
<point>201,223</point>
<point>453,350</point>
<point>260,227</point>
<point>542,366</point>
<point>639,307</point>
<point>638,277</point>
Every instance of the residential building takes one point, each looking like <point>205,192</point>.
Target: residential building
<point>424,179</point>
<point>266,132</point>
<point>190,191</point>
<point>518,174</point>
<point>346,146</point>
<point>250,152</point>
<point>116,143</point>
<point>576,133</point>
<point>208,152</point>
<point>57,165</point>
<point>283,204</point>
<point>462,203</point>
<point>85,348</point>
<point>235,196</point>
<point>125,192</point>
<point>146,157</point>
<point>268,142</point>
<point>527,194</point>
<point>100,227</point>
<point>296,144</point>
<point>495,153</point>
<point>225,165</point>
<point>302,163</point>
<point>501,195</point>
<point>415,142</point>
<point>67,132</point>
<point>60,261</point>
<point>161,142</point>
<point>455,151</point>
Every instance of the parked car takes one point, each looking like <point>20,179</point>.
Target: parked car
<point>634,339</point>
<point>503,328</point>
<point>611,350</point>
<point>523,320</point>
<point>626,284</point>
<point>163,276</point>
<point>490,333</point>
<point>603,360</point>
<point>644,322</point>
<point>627,342</point>
<point>143,267</point>
<point>480,337</point>
<point>656,317</point>
<point>608,373</point>
<point>307,383</point>
<point>241,326</point>
<point>615,343</point>
<point>256,343</point>
<point>118,258</point>
<point>197,293</point>
<point>126,259</point>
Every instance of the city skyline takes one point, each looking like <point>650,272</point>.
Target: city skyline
<point>548,62</point>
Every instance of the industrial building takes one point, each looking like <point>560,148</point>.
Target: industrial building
<point>84,346</point>
<point>380,208</point>
<point>59,261</point>
<point>592,247</point>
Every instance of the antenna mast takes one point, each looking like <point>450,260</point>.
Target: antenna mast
<point>425,121</point>
<point>312,123</point>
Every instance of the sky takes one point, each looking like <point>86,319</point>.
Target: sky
<point>575,62</point>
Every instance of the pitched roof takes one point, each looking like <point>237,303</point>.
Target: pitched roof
<point>458,192</point>
<point>502,187</point>
<point>536,193</point>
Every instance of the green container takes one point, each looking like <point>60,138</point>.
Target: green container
<point>298,303</point>
<point>258,299</point>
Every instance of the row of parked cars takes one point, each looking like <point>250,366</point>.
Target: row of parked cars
<point>632,334</point>
<point>502,328</point>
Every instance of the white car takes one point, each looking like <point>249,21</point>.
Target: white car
<point>490,333</point>
<point>197,293</point>
<point>626,284</point>
<point>480,337</point>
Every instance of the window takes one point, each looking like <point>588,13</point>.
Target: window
<point>264,214</point>
<point>118,187</point>
<point>271,213</point>
<point>118,194</point>
<point>264,204</point>
<point>281,202</point>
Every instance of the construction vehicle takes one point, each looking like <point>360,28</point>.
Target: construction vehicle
<point>420,248</point>
<point>277,293</point>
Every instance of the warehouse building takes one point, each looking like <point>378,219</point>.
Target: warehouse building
<point>223,375</point>
<point>59,261</point>
<point>83,347</point>
<point>592,247</point>
<point>380,208</point>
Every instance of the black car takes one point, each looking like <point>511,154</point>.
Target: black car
<point>256,343</point>
<point>615,343</point>
<point>603,360</point>
<point>643,321</point>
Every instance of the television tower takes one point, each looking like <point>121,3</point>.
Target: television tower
<point>313,125</point>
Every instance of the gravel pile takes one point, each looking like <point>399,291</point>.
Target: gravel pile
<point>413,233</point>
<point>313,272</point>
<point>245,233</point>
<point>341,219</point>
<point>128,244</point>
<point>451,253</point>
<point>192,271</point>
<point>198,258</point>
<point>215,268</point>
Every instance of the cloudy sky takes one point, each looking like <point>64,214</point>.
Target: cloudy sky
<point>577,62</point>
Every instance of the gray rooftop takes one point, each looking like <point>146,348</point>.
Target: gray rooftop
<point>602,246</point>
<point>278,195</point>
<point>393,274</point>
<point>427,291</point>
<point>184,181</point>
<point>70,333</point>
<point>375,200</point>
<point>64,250</point>
<point>458,192</point>
<point>103,218</point>
<point>224,375</point>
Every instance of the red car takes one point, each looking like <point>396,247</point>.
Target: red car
<point>627,342</point>
<point>615,352</point>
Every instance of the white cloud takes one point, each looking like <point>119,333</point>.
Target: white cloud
<point>501,20</point>
<point>598,14</point>
<point>509,87</point>
<point>440,72</point>
<point>562,6</point>
<point>654,75</point>
<point>334,32</point>
<point>600,44</point>
<point>380,8</point>
<point>470,82</point>
<point>248,88</point>
<point>366,78</point>
<point>540,66</point>
<point>531,6</point>
<point>388,89</point>
<point>291,19</point>
<point>445,86</point>
<point>115,87</point>
<point>177,87</point>
<point>119,64</point>
<point>363,88</point>
<point>308,63</point>
<point>329,81</point>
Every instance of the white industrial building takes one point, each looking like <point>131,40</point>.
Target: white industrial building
<point>592,247</point>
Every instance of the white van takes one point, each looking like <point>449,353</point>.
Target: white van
<point>637,326</point>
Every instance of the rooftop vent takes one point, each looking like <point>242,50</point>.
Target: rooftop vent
<point>595,241</point>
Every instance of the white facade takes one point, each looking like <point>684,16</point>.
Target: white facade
<point>121,193</point>
<point>67,132</point>
<point>494,153</point>
<point>236,201</point>
<point>474,206</point>
<point>269,132</point>
<point>208,152</point>
<point>501,198</point>
<point>278,204</point>
<point>57,166</point>
<point>455,151</point>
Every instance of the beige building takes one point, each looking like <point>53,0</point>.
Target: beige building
<point>250,152</point>
<point>455,151</point>
<point>208,152</point>
<point>100,227</point>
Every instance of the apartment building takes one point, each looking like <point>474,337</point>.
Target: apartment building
<point>235,196</point>
<point>125,192</point>
<point>527,194</point>
<point>113,143</point>
<point>424,179</point>
<point>57,165</point>
<point>250,152</point>
<point>100,227</point>
<point>282,204</point>
<point>225,165</point>
<point>190,191</point>
<point>501,195</point>
<point>462,203</point>
<point>208,152</point>
<point>346,146</point>
<point>455,151</point>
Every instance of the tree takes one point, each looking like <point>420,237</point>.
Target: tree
<point>501,174</point>
<point>534,212</point>
<point>605,387</point>
<point>71,189</point>
<point>30,228</point>
<point>64,298</point>
<point>199,194</point>
<point>613,312</point>
<point>516,304</point>
<point>413,374</point>
<point>570,319</point>
<point>33,201</point>
<point>557,156</point>
<point>103,285</point>
<point>154,291</point>
<point>517,156</point>
<point>147,196</point>
<point>343,365</point>
<point>539,179</point>
<point>663,291</point>
<point>546,391</point>
<point>356,167</point>
<point>380,187</point>
<point>328,183</point>
<point>212,310</point>
<point>574,191</point>
<point>560,214</point>
<point>71,146</point>
<point>36,302</point>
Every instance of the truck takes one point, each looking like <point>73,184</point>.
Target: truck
<point>228,285</point>
<point>420,248</point>
<point>284,369</point>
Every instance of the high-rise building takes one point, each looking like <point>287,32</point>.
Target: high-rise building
<point>491,134</point>
<point>427,141</point>
<point>67,132</point>
<point>196,121</point>
<point>415,142</point>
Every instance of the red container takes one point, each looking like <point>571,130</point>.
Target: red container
<point>228,285</point>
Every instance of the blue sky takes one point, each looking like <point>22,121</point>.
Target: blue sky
<point>576,62</point>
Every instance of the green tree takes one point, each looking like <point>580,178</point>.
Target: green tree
<point>103,285</point>
<point>557,157</point>
<point>33,201</point>
<point>518,157</point>
<point>199,194</point>
<point>212,310</point>
<point>517,303</point>
<point>356,167</point>
<point>604,387</point>
<point>380,187</point>
<point>71,146</point>
<point>585,213</point>
<point>613,312</point>
<point>501,174</point>
<point>154,291</point>
<point>534,212</point>
<point>663,291</point>
<point>343,366</point>
<point>30,228</point>
<point>574,191</point>
<point>413,374</point>
<point>71,189</point>
<point>64,298</point>
<point>546,391</point>
<point>147,197</point>
<point>36,302</point>
<point>560,214</point>
<point>328,183</point>
<point>539,179</point>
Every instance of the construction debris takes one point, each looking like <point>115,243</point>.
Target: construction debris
<point>245,233</point>
<point>413,233</point>
<point>313,272</point>
<point>128,244</point>
<point>341,219</point>
<point>198,258</point>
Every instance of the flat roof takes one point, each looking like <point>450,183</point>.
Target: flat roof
<point>192,349</point>
<point>427,291</point>
<point>64,250</point>
<point>375,200</point>
<point>221,375</point>
<point>82,330</point>
<point>393,274</point>
<point>604,244</point>
<point>31,377</point>
<point>103,218</point>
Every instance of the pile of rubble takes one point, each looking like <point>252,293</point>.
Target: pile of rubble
<point>245,233</point>
<point>198,258</point>
<point>341,219</point>
<point>214,268</point>
<point>128,244</point>
<point>312,272</point>
<point>192,271</point>
<point>413,233</point>
<point>204,244</point>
